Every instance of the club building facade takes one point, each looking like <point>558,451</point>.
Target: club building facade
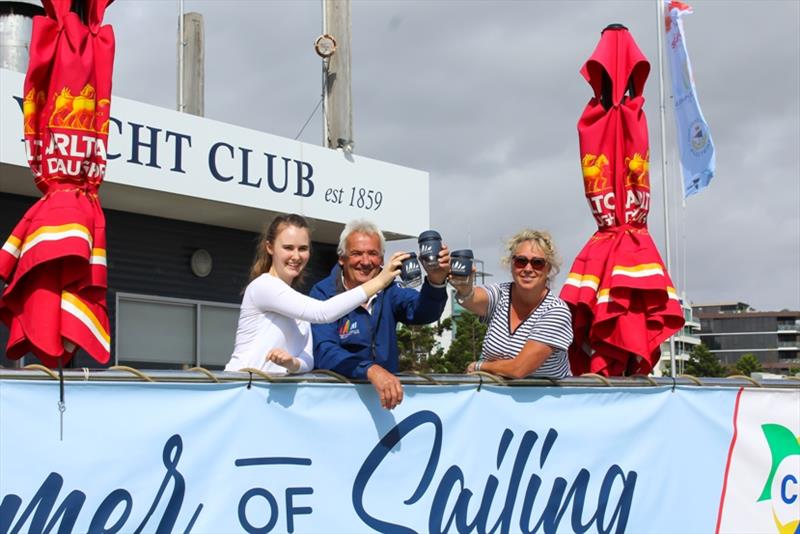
<point>185,199</point>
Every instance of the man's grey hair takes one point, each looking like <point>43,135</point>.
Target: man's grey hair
<point>359,225</point>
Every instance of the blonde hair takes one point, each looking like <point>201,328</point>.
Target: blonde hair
<point>543,240</point>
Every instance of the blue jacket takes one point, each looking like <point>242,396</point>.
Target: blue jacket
<point>358,340</point>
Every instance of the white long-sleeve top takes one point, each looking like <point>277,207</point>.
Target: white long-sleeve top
<point>275,316</point>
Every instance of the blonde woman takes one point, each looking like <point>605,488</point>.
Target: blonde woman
<point>529,327</point>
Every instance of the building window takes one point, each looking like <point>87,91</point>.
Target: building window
<point>161,332</point>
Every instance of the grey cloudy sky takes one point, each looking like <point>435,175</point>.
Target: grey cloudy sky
<point>485,96</point>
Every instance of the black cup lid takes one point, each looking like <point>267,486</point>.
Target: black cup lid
<point>411,256</point>
<point>463,253</point>
<point>428,235</point>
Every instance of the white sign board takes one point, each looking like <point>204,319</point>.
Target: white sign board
<point>156,149</point>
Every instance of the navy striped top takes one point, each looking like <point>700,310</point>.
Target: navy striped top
<point>550,323</point>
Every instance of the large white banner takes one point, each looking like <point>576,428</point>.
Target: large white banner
<point>219,458</point>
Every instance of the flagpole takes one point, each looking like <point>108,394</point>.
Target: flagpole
<point>662,110</point>
<point>181,44</point>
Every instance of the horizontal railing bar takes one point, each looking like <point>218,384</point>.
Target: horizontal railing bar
<point>429,380</point>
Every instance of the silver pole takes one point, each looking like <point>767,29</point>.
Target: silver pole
<point>181,42</point>
<point>662,110</point>
<point>324,80</point>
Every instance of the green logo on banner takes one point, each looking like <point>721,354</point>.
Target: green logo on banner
<point>782,487</point>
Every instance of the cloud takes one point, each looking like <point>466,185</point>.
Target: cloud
<point>486,96</point>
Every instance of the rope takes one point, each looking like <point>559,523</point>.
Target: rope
<point>420,374</point>
<point>494,378</point>
<point>648,378</point>
<point>309,118</point>
<point>748,378</point>
<point>131,370</point>
<point>258,372</point>
<point>332,374</point>
<point>697,381</point>
<point>596,376</point>
<point>521,382</point>
<point>62,406</point>
<point>42,368</point>
<point>206,372</point>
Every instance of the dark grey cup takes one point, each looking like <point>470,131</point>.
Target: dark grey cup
<point>410,271</point>
<point>461,266</point>
<point>430,243</point>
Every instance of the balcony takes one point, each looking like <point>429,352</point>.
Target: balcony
<point>687,339</point>
<point>786,328</point>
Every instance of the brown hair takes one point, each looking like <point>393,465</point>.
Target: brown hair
<point>263,260</point>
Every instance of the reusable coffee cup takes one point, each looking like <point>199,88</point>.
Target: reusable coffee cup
<point>410,271</point>
<point>430,243</point>
<point>461,267</point>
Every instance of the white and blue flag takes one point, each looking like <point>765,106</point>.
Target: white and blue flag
<point>694,138</point>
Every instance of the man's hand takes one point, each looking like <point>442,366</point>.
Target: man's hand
<point>438,275</point>
<point>387,385</point>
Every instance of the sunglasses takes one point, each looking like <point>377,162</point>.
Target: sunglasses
<point>520,262</point>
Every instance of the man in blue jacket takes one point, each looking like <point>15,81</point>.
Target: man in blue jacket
<point>363,344</point>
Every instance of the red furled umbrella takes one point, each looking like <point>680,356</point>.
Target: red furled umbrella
<point>622,299</point>
<point>55,260</point>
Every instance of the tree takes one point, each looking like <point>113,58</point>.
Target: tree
<point>416,345</point>
<point>702,363</point>
<point>420,351</point>
<point>748,364</point>
<point>467,342</point>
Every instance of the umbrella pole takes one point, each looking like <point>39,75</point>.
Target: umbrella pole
<point>62,407</point>
<point>662,107</point>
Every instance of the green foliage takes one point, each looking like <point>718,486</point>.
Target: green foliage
<point>748,364</point>
<point>467,342</point>
<point>417,344</point>
<point>703,363</point>
<point>420,351</point>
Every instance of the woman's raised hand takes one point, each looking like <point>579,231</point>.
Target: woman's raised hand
<point>391,269</point>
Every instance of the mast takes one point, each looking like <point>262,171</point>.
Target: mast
<point>662,113</point>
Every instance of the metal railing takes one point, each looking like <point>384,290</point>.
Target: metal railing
<point>201,375</point>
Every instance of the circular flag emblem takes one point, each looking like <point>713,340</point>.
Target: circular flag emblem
<point>698,136</point>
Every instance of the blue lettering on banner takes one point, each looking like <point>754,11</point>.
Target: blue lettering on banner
<point>785,497</point>
<point>41,506</point>
<point>558,501</point>
<point>272,503</point>
<point>606,515</point>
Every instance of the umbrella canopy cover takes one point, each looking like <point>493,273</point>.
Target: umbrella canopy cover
<point>622,299</point>
<point>54,262</point>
